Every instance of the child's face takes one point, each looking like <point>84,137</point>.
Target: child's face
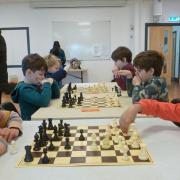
<point>35,77</point>
<point>120,63</point>
<point>54,68</point>
<point>144,75</point>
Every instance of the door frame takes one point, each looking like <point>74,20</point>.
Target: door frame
<point>147,25</point>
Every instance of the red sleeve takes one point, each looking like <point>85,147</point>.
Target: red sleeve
<point>164,110</point>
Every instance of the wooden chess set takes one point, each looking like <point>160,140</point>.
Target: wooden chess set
<point>74,99</point>
<point>66,145</point>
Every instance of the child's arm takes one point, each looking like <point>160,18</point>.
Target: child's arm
<point>59,75</point>
<point>129,116</point>
<point>15,122</point>
<point>55,90</point>
<point>164,110</point>
<point>3,146</point>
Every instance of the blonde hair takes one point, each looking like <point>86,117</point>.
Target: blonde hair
<point>51,60</point>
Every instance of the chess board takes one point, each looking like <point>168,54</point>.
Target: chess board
<point>100,101</point>
<point>97,88</point>
<point>81,153</point>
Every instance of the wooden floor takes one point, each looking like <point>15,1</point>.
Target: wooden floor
<point>174,92</point>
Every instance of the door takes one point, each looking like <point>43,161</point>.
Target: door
<point>160,39</point>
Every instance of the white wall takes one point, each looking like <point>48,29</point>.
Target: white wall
<point>170,8</point>
<point>122,18</point>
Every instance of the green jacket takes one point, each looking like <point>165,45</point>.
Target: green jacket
<point>31,97</point>
<point>156,88</point>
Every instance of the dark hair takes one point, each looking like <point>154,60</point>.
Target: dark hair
<point>56,44</point>
<point>33,62</point>
<point>120,53</point>
<point>9,106</point>
<point>150,59</point>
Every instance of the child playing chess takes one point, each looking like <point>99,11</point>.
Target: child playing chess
<point>147,83</point>
<point>124,70</point>
<point>10,128</point>
<point>35,91</point>
<point>55,69</point>
<point>164,110</point>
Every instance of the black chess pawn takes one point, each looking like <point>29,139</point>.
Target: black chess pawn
<point>45,159</point>
<point>67,144</point>
<point>63,104</point>
<point>50,125</point>
<point>79,101</point>
<point>51,146</point>
<point>60,130</point>
<point>81,96</point>
<point>61,124</point>
<point>55,138</point>
<point>70,103</point>
<point>37,146</point>
<point>81,137</point>
<point>28,155</point>
<point>44,123</point>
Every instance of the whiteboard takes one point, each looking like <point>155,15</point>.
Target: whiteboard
<point>17,45</point>
<point>83,40</point>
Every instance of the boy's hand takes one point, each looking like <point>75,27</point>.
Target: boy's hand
<point>49,80</point>
<point>9,134</point>
<point>126,73</point>
<point>129,116</point>
<point>136,81</point>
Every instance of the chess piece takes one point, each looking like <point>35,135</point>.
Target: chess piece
<point>81,96</point>
<point>67,144</point>
<point>50,125</point>
<point>81,137</point>
<point>106,142</point>
<point>143,154</point>
<point>28,155</point>
<point>125,150</point>
<point>55,138</point>
<point>13,147</point>
<point>61,124</point>
<point>37,146</point>
<point>94,146</point>
<point>51,146</point>
<point>45,159</point>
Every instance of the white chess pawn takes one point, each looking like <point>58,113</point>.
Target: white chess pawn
<point>125,150</point>
<point>121,145</point>
<point>116,139</point>
<point>135,143</point>
<point>13,147</point>
<point>106,142</point>
<point>143,154</point>
<point>94,146</point>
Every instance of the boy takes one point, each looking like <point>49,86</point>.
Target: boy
<point>147,83</point>
<point>55,69</point>
<point>10,128</point>
<point>164,110</point>
<point>35,91</point>
<point>124,70</point>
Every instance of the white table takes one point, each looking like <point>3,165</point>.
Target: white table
<point>161,137</point>
<point>55,111</point>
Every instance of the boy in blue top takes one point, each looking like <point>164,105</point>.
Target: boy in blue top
<point>35,91</point>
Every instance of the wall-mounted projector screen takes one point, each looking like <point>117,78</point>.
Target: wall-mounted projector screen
<point>83,40</point>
